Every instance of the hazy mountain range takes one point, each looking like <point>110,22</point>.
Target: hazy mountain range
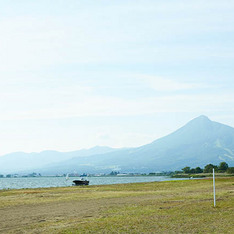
<point>199,142</point>
<point>20,161</point>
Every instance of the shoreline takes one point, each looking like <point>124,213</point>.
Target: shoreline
<point>59,182</point>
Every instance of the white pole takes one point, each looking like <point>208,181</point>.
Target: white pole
<point>214,187</point>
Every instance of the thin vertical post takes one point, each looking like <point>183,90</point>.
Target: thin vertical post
<point>214,187</point>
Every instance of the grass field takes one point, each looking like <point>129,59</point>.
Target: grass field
<point>159,207</point>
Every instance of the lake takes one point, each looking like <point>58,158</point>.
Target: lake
<point>45,182</point>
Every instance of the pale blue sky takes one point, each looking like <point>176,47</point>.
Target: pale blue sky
<point>75,74</point>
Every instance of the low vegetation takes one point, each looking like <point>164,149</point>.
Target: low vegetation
<point>221,171</point>
<point>184,206</point>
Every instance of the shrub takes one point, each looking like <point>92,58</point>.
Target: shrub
<point>223,166</point>
<point>230,170</point>
<point>209,168</point>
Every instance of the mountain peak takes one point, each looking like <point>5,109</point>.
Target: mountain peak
<point>203,117</point>
<point>200,120</point>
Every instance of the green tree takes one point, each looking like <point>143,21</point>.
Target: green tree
<point>186,170</point>
<point>209,168</point>
<point>192,171</point>
<point>114,173</point>
<point>223,166</point>
<point>198,170</point>
<point>178,172</point>
<point>230,170</point>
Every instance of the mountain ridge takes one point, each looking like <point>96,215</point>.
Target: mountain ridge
<point>197,143</point>
<point>29,161</point>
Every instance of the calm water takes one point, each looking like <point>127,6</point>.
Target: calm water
<point>39,182</point>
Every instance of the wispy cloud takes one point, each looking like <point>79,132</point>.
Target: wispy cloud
<point>165,84</point>
<point>94,106</point>
<point>111,60</point>
<point>169,32</point>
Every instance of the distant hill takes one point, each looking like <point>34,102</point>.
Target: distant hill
<point>20,161</point>
<point>199,142</point>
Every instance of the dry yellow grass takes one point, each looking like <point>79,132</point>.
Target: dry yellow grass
<point>158,207</point>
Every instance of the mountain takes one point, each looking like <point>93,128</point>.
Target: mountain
<point>20,161</point>
<point>200,142</point>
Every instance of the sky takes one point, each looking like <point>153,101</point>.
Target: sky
<point>122,73</point>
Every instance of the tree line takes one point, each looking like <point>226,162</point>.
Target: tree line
<point>222,167</point>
